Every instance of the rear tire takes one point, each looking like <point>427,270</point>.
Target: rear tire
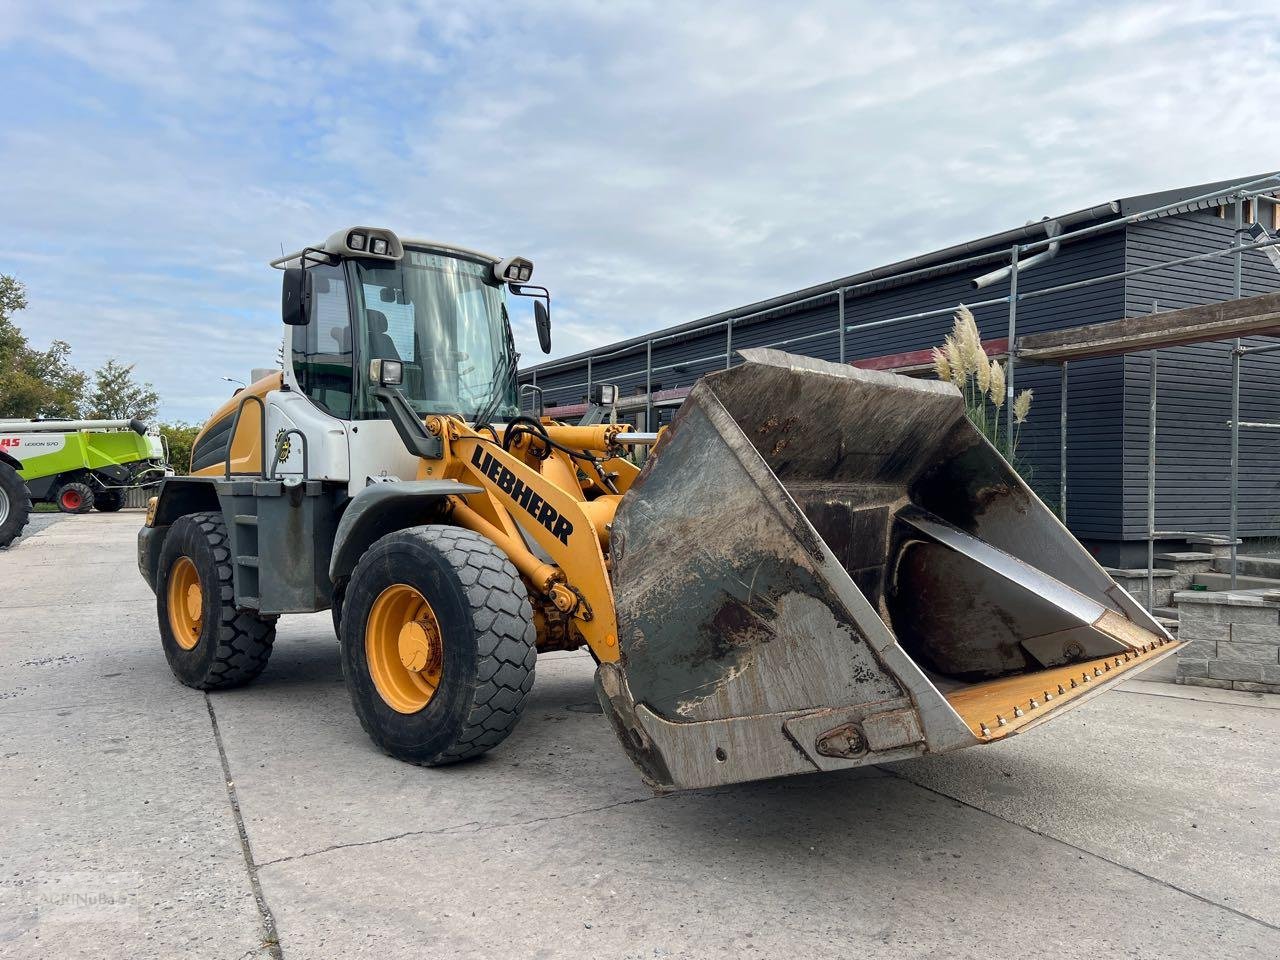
<point>209,643</point>
<point>108,501</point>
<point>480,666</point>
<point>15,505</point>
<point>74,497</point>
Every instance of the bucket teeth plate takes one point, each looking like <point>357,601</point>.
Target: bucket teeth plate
<point>822,566</point>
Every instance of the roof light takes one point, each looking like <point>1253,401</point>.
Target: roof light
<point>356,241</point>
<point>513,270</point>
<point>379,246</point>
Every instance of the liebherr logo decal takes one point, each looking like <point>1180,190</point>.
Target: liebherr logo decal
<point>544,513</point>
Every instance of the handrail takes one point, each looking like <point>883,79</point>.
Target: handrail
<point>280,442</point>
<point>235,427</point>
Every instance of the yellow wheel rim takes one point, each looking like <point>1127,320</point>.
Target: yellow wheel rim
<point>403,645</point>
<point>186,603</point>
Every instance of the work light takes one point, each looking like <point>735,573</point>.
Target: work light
<point>386,373</point>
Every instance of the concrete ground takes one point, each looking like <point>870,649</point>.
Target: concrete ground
<point>141,818</point>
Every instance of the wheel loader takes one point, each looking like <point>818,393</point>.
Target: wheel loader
<point>818,567</point>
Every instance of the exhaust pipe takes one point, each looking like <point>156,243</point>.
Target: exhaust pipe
<point>822,566</point>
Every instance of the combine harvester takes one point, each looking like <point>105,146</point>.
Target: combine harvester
<point>818,567</point>
<point>81,464</point>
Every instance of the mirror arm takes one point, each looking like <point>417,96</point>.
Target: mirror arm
<point>413,434</point>
<point>529,290</point>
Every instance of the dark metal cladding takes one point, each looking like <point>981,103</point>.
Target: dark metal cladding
<point>795,514</point>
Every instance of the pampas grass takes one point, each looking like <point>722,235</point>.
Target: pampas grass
<point>962,361</point>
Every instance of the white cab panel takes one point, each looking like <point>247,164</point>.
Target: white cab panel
<point>327,457</point>
<point>378,451</point>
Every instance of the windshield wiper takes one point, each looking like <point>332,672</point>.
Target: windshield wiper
<point>506,369</point>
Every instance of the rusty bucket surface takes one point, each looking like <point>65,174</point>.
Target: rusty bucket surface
<point>822,567</point>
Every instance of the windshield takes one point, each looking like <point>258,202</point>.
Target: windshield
<point>445,319</point>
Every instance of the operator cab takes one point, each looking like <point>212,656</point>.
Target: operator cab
<point>370,311</point>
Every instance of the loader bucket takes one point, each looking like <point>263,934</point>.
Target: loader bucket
<point>822,567</point>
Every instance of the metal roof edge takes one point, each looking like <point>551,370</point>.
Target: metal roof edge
<point>1123,207</point>
<point>939,258</point>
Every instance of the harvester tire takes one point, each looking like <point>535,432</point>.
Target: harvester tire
<point>108,501</point>
<point>209,643</point>
<point>74,497</point>
<point>478,669</point>
<point>15,505</point>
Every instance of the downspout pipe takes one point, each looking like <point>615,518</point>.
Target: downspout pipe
<point>1052,229</point>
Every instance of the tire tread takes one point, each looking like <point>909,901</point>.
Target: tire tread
<point>244,639</point>
<point>502,618</point>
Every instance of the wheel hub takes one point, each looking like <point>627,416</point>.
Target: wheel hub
<point>404,648</point>
<point>186,603</point>
<point>195,601</point>
<point>419,645</point>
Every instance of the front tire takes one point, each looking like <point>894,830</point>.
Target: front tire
<point>437,644</point>
<point>209,643</point>
<point>74,497</point>
<point>15,505</point>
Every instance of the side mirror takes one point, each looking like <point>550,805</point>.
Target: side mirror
<point>542,321</point>
<point>293,297</point>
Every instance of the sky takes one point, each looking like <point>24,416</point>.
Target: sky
<point>658,163</point>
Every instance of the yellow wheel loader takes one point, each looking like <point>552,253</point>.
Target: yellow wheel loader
<point>818,567</point>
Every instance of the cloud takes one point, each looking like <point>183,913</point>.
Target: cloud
<point>658,162</point>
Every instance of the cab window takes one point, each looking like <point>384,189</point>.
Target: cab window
<point>323,351</point>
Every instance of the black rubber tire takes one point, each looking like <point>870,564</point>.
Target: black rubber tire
<point>335,608</point>
<point>108,501</point>
<point>18,499</point>
<point>489,653</point>
<point>234,644</point>
<point>82,492</point>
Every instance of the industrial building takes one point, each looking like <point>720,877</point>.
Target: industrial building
<point>1122,258</point>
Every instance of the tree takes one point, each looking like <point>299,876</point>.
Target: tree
<point>179,438</point>
<point>116,395</point>
<point>33,383</point>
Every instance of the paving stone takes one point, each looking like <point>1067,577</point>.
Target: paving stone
<point>1206,682</point>
<point>1231,670</point>
<point>1196,649</point>
<point>1250,687</point>
<point>1255,633</point>
<point>1197,628</point>
<point>1192,668</point>
<point>1247,652</point>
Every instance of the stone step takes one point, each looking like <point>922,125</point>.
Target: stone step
<point>1186,561</point>
<point>1166,614</point>
<point>1249,566</point>
<point>1209,543</point>
<point>1133,573</point>
<point>1222,581</point>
